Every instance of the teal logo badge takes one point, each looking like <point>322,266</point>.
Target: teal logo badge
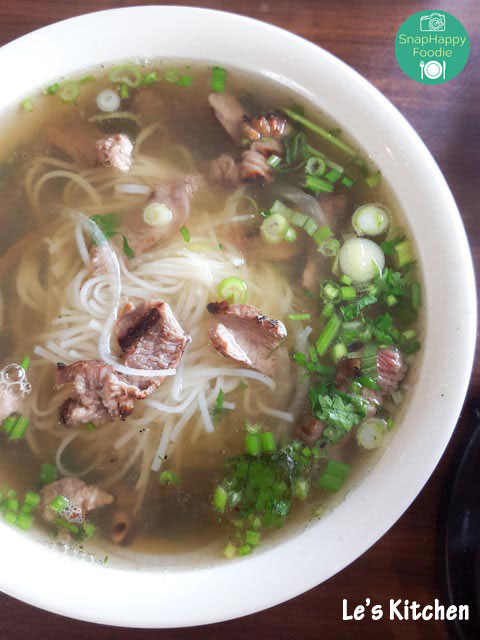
<point>432,47</point>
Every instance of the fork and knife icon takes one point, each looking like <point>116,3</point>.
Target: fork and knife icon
<point>432,69</point>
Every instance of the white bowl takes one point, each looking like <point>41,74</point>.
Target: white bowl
<point>187,595</point>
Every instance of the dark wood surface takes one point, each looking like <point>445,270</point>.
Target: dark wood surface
<point>403,563</point>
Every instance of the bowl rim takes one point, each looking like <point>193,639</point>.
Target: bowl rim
<point>155,599</point>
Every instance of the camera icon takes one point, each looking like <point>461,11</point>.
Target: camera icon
<point>433,22</point>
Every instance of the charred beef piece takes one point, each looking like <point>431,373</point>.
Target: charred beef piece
<point>150,338</point>
<point>244,334</point>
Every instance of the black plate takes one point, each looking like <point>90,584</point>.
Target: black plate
<point>459,536</point>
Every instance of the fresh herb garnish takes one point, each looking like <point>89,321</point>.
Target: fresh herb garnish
<point>105,227</point>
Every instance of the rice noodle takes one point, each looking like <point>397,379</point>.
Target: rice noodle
<point>76,310</point>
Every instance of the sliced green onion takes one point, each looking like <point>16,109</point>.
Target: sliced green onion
<point>330,483</point>
<point>86,79</point>
<point>300,489</point>
<point>290,235</point>
<point>27,104</point>
<point>344,279</point>
<point>88,530</point>
<point>185,233</point>
<point>24,521</point>
<point>10,517</point>
<point>8,424</point>
<point>321,131</point>
<point>330,291</point>
<point>244,550</point>
<point>233,289</point>
<point>391,300</point>
<point>252,537</point>
<point>230,551</point>
<point>65,524</point>
<point>298,219</point>
<point>373,180</point>
<point>168,478</point>
<point>327,310</point>
<point>58,504</point>
<point>124,91</point>
<point>409,334</point>
<point>337,468</point>
<point>220,499</point>
<point>157,214</point>
<point>339,351</point>
<point>328,335</point>
<point>171,75</point>
<point>299,316</point>
<point>150,78</point>
<point>253,444</point>
<point>317,184</point>
<point>274,228</point>
<point>32,498</point>
<point>348,293</point>
<point>69,92</point>
<point>329,248</point>
<point>274,160</point>
<point>347,182</point>
<point>279,207</point>
<point>415,295</point>
<point>218,79</point>
<point>403,254</point>
<point>108,100</point>
<point>11,504</point>
<point>90,426</point>
<point>371,433</point>
<point>371,220</point>
<point>52,89</point>
<point>19,428</point>
<point>185,81</point>
<point>322,234</point>
<point>316,166</point>
<point>267,442</point>
<point>48,473</point>
<point>310,227</point>
<point>126,74</point>
<point>333,175</point>
<point>25,363</point>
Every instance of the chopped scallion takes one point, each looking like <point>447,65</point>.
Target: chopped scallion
<point>328,334</point>
<point>25,363</point>
<point>218,79</point>
<point>299,316</point>
<point>220,499</point>
<point>168,478</point>
<point>27,104</point>
<point>233,289</point>
<point>253,444</point>
<point>267,442</point>
<point>185,233</point>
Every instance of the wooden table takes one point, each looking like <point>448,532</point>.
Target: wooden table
<point>402,564</point>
